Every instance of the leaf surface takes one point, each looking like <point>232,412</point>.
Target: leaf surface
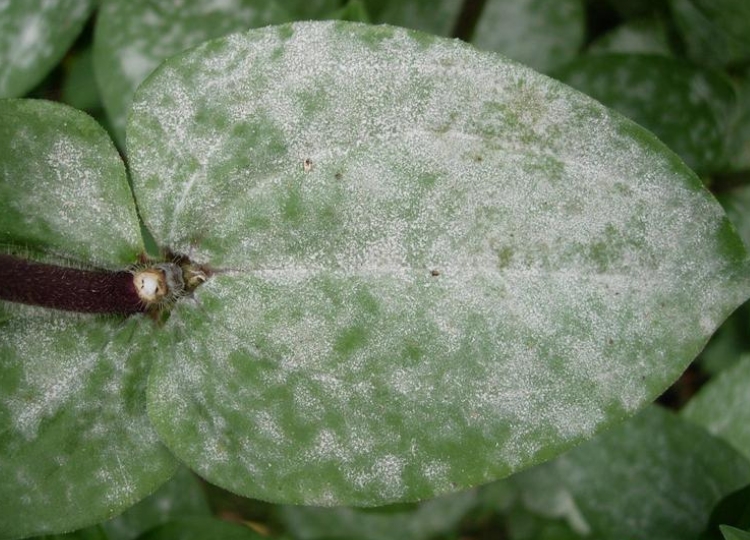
<point>34,35</point>
<point>665,473</point>
<point>723,406</point>
<point>419,249</point>
<point>76,445</point>
<point>688,108</point>
<point>132,38</point>
<point>543,34</point>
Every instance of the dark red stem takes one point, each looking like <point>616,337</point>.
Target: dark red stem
<point>70,289</point>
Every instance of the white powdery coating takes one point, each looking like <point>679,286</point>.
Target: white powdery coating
<point>132,38</point>
<point>34,34</point>
<point>74,427</point>
<point>432,257</point>
<point>74,196</point>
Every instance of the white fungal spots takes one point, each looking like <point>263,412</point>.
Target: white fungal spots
<point>570,258</point>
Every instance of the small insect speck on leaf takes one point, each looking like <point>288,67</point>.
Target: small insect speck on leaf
<point>338,176</point>
<point>307,165</point>
<point>434,273</point>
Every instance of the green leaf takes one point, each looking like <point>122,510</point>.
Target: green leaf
<point>434,16</point>
<point>715,32</point>
<point>63,188</point>
<point>543,34</point>
<point>688,108</point>
<point>739,135</point>
<point>418,248</point>
<point>181,497</point>
<point>79,88</point>
<point>731,533</point>
<point>664,473</point>
<point>132,38</point>
<point>34,36</point>
<point>90,533</point>
<point>734,509</point>
<point>736,203</point>
<point>420,521</point>
<point>200,529</point>
<point>76,445</point>
<point>723,406</point>
<point>641,36</point>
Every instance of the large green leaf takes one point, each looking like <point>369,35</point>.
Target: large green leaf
<point>665,475</point>
<point>134,36</point>
<point>76,446</point>
<point>543,34</point>
<point>433,266</point>
<point>723,406</point>
<point>34,35</point>
<point>688,108</point>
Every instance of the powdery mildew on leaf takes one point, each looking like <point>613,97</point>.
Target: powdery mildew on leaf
<point>63,187</point>
<point>687,107</point>
<point>436,266</point>
<point>132,38</point>
<point>543,34</point>
<point>76,445</point>
<point>34,35</point>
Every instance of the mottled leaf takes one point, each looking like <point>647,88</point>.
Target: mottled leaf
<point>655,476</point>
<point>63,187</point>
<point>76,446</point>
<point>688,108</point>
<point>134,36</point>
<point>34,35</point>
<point>543,34</point>
<point>433,266</point>
<point>723,406</point>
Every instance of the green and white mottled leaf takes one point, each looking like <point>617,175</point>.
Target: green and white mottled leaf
<point>200,529</point>
<point>419,521</point>
<point>688,108</point>
<point>434,16</point>
<point>543,34</point>
<point>715,32</point>
<point>420,248</point>
<point>664,473</point>
<point>34,36</point>
<point>134,36</point>
<point>723,406</point>
<point>63,187</point>
<point>77,446</point>
<point>640,36</point>
<point>181,497</point>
